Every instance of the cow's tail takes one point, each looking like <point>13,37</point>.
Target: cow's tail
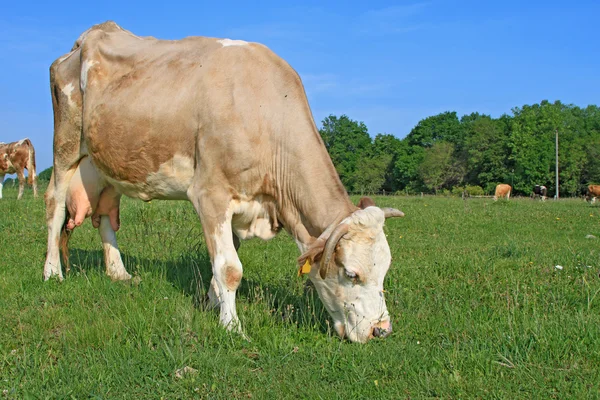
<point>63,245</point>
<point>31,175</point>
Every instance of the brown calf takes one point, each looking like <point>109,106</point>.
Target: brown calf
<point>16,157</point>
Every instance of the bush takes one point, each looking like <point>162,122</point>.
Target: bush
<point>474,190</point>
<point>458,191</point>
<point>44,176</point>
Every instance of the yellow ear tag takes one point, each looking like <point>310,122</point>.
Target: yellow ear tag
<point>305,269</point>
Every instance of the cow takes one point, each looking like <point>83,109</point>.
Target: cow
<point>593,191</point>
<point>540,191</point>
<point>16,157</point>
<point>226,125</point>
<point>502,190</point>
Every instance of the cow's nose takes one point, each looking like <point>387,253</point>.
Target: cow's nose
<point>383,329</point>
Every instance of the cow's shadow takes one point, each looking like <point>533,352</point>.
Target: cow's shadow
<point>191,274</point>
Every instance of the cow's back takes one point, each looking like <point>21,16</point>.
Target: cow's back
<point>155,111</point>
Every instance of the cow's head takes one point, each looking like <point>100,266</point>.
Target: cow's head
<point>349,263</point>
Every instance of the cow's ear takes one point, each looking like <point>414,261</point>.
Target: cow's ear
<point>365,202</point>
<point>313,254</point>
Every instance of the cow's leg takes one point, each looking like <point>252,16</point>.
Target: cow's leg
<point>35,189</point>
<point>21,177</point>
<point>1,184</point>
<point>55,199</point>
<point>215,215</point>
<point>112,257</point>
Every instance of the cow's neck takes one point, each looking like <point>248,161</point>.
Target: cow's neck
<point>314,198</point>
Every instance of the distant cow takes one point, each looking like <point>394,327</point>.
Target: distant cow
<point>502,190</point>
<point>16,157</point>
<point>592,192</point>
<point>540,191</point>
<point>226,125</point>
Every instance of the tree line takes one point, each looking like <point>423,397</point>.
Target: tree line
<point>443,153</point>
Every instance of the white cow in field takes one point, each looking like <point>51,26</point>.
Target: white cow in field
<point>224,124</point>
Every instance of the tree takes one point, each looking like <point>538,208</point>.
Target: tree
<point>486,143</point>
<point>347,141</point>
<point>388,148</point>
<point>439,168</point>
<point>442,127</point>
<point>370,173</point>
<point>406,167</point>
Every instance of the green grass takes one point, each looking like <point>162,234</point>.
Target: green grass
<point>478,307</point>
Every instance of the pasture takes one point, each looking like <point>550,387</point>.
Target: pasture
<point>478,309</point>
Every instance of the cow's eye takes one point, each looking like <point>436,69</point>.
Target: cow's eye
<point>351,275</point>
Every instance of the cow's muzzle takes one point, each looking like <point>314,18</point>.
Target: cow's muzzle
<point>383,329</point>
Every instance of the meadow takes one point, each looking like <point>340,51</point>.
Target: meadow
<point>479,308</point>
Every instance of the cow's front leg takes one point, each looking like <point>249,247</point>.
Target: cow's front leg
<point>227,275</point>
<point>215,215</point>
<point>1,184</point>
<point>112,256</point>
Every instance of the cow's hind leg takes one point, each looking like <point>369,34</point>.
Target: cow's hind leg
<point>55,198</point>
<point>35,188</point>
<point>215,214</point>
<point>21,177</point>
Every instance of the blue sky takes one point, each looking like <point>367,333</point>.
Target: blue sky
<point>388,64</point>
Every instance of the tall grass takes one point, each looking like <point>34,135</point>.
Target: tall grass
<point>478,306</point>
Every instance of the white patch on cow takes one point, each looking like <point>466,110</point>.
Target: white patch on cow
<point>172,179</point>
<point>20,142</point>
<point>170,182</point>
<point>251,219</point>
<point>67,90</point>
<point>114,265</point>
<point>229,42</point>
<point>85,67</point>
<point>357,306</point>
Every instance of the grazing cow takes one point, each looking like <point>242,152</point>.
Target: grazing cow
<point>226,125</point>
<point>16,157</point>
<point>593,191</point>
<point>502,190</point>
<point>540,191</point>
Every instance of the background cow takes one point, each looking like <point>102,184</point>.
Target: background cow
<point>16,157</point>
<point>226,125</point>
<point>540,191</point>
<point>593,191</point>
<point>502,190</point>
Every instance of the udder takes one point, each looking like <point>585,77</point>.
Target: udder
<point>90,196</point>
